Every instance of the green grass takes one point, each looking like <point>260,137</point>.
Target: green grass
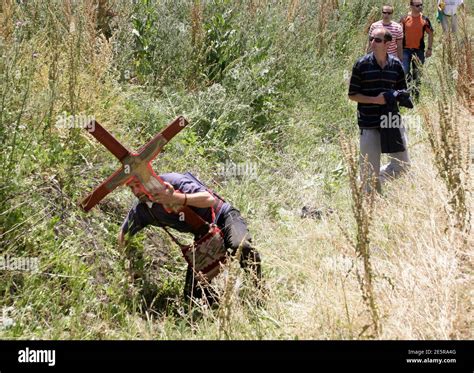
<point>262,84</point>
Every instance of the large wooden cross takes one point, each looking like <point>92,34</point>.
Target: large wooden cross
<point>135,167</point>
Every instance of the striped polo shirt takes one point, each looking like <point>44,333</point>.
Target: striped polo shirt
<point>369,79</point>
<point>395,29</point>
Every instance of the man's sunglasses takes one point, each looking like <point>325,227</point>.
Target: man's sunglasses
<point>387,12</point>
<point>417,5</point>
<point>377,40</point>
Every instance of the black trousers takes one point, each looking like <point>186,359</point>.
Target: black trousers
<point>236,234</point>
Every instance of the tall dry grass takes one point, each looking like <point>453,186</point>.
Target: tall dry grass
<point>363,200</point>
<point>464,64</point>
<point>447,128</point>
<point>418,273</point>
<point>420,268</point>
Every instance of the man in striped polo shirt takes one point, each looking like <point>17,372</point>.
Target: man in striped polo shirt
<point>395,46</point>
<point>374,76</point>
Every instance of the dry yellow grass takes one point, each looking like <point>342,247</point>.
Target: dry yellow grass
<point>419,271</point>
<point>423,270</point>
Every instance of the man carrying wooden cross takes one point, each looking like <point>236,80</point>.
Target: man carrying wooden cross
<point>177,201</point>
<point>185,190</point>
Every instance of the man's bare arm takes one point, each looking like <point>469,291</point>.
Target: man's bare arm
<point>400,49</point>
<point>171,197</point>
<point>200,199</point>
<point>363,99</point>
<point>430,40</point>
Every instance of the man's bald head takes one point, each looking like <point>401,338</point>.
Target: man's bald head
<point>383,33</point>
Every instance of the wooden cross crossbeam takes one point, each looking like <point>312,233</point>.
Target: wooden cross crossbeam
<point>135,166</point>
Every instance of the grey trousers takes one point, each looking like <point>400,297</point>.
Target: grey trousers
<point>449,19</point>
<point>371,150</point>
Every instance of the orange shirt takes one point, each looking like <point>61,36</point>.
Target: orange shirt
<point>414,31</point>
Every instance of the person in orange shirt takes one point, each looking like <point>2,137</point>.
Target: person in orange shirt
<point>415,24</point>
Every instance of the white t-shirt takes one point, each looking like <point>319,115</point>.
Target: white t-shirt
<point>451,6</point>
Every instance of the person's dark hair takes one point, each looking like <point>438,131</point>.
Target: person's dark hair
<point>387,36</point>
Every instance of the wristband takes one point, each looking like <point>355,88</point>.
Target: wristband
<point>185,199</point>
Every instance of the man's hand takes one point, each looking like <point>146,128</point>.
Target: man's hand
<point>167,196</point>
<point>428,53</point>
<point>380,99</point>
